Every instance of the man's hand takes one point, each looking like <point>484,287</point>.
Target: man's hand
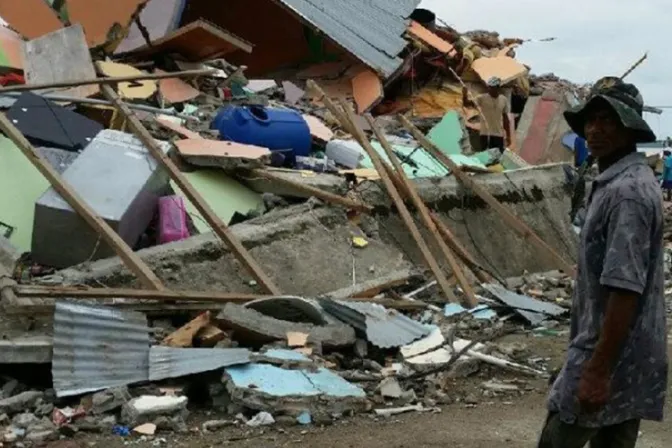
<point>594,388</point>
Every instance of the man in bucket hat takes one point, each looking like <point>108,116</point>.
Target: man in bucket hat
<point>615,374</point>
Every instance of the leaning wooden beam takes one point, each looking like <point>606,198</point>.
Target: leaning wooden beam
<point>511,219</point>
<point>109,80</point>
<point>130,258</point>
<point>320,194</point>
<point>425,216</point>
<point>392,191</point>
<point>218,226</point>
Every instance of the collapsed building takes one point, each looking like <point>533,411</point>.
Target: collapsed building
<point>167,211</point>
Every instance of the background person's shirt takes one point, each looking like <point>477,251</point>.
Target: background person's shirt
<point>493,109</point>
<point>621,247</point>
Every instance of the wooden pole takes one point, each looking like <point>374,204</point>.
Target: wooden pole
<point>217,225</point>
<point>348,122</point>
<point>320,194</point>
<point>512,220</point>
<point>212,298</point>
<point>424,214</point>
<point>108,80</point>
<point>635,65</point>
<point>130,258</point>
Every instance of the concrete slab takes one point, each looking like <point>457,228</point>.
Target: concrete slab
<point>26,350</point>
<point>254,326</point>
<point>265,387</point>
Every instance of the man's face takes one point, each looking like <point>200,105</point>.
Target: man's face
<point>493,91</point>
<point>605,134</point>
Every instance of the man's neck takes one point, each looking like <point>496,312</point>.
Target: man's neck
<point>605,162</point>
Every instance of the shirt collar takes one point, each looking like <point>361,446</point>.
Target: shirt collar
<point>635,158</point>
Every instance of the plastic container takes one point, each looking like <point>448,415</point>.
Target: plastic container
<point>345,152</point>
<point>172,220</point>
<point>276,129</point>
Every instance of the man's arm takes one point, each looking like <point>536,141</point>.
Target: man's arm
<point>507,126</point>
<point>624,275</point>
<point>466,101</point>
<point>620,313</point>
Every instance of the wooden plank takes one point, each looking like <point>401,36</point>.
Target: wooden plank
<point>218,226</point>
<point>109,80</point>
<point>424,215</point>
<point>130,258</point>
<point>184,336</point>
<point>512,220</point>
<point>348,122</point>
<point>320,194</point>
<point>140,294</point>
<point>210,335</point>
<point>35,299</point>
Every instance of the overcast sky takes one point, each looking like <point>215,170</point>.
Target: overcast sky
<point>595,38</point>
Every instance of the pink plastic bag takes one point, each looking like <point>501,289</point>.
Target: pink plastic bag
<point>172,219</point>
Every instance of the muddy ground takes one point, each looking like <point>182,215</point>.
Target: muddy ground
<point>512,420</point>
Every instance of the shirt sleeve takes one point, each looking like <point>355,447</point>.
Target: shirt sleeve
<point>628,253</point>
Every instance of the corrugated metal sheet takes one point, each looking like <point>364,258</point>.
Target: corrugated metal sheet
<point>371,30</point>
<point>169,362</point>
<point>535,311</point>
<point>383,328</point>
<point>97,348</point>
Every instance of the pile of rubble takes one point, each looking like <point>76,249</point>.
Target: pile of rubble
<point>148,124</point>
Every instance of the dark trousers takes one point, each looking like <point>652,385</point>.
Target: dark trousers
<point>558,434</point>
<point>491,141</point>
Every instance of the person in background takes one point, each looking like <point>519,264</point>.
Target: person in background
<point>615,373</point>
<point>494,109</point>
<point>667,174</point>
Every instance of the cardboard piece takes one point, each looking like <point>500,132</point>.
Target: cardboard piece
<point>31,18</point>
<point>11,52</point>
<point>420,32</point>
<point>181,130</point>
<point>295,339</point>
<point>505,68</point>
<point>318,129</point>
<point>131,90</point>
<point>367,89</point>
<point>105,22</point>
<point>174,90</point>
<point>44,60</point>
<point>201,147</point>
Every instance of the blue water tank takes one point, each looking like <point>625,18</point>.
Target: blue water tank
<point>280,130</point>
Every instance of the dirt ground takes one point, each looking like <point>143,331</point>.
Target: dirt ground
<point>507,420</point>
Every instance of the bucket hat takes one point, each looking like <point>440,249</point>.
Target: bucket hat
<point>623,98</point>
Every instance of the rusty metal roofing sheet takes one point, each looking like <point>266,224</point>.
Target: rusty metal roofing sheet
<point>97,348</point>
<point>169,362</point>
<point>371,30</point>
<point>383,328</point>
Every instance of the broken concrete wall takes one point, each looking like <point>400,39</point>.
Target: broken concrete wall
<point>304,251</point>
<point>309,251</point>
<point>536,195</point>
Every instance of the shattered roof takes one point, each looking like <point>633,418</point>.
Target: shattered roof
<point>371,30</point>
